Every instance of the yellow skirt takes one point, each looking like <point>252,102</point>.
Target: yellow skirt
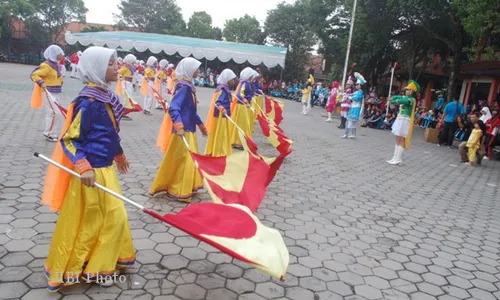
<point>218,143</point>
<point>245,120</point>
<point>178,175</point>
<point>92,237</point>
<point>258,103</point>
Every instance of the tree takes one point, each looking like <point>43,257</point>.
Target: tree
<point>156,16</point>
<point>244,30</point>
<point>287,26</point>
<point>47,23</point>
<point>13,8</point>
<point>480,20</point>
<point>200,26</point>
<point>217,33</point>
<point>94,28</point>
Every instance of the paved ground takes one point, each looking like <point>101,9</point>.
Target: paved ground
<point>356,227</point>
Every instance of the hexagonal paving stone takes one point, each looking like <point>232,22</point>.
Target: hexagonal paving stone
<point>174,262</point>
<point>210,281</point>
<point>201,266</point>
<point>186,241</point>
<point>24,215</point>
<point>36,280</point>
<point>313,284</point>
<point>251,296</point>
<point>270,290</point>
<point>229,271</point>
<point>14,273</point>
<point>299,270</point>
<point>182,277</point>
<point>194,253</point>
<point>240,285</point>
<point>21,233</point>
<point>13,290</point>
<point>16,259</point>
<point>162,237</point>
<point>351,278</point>
<point>19,245</point>
<point>368,292</point>
<point>256,276</point>
<point>219,294</point>
<point>298,293</point>
<point>38,294</point>
<point>340,288</point>
<point>190,291</point>
<point>148,257</point>
<point>40,251</point>
<point>219,258</point>
<point>168,249</point>
<point>144,244</point>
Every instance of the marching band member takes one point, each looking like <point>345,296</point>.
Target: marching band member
<point>48,76</point>
<point>218,143</point>
<point>147,83</point>
<point>242,114</point>
<point>92,237</point>
<point>177,174</point>
<point>161,81</point>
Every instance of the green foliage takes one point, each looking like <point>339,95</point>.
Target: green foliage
<point>156,16</point>
<point>200,26</point>
<point>94,28</point>
<point>287,26</point>
<point>244,30</point>
<point>217,34</point>
<point>13,8</point>
<point>47,23</point>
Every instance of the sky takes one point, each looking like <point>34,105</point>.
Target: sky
<point>101,11</point>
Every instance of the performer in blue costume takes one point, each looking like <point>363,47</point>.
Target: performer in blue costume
<point>356,108</point>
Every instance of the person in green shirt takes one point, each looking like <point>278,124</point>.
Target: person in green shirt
<point>403,126</point>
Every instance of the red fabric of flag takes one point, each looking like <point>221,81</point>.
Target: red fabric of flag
<point>234,230</point>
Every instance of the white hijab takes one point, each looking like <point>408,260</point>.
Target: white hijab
<point>246,74</point>
<point>130,59</point>
<point>487,116</point>
<point>255,75</point>
<point>94,63</point>
<point>186,68</point>
<point>151,61</point>
<point>79,53</point>
<point>52,52</point>
<point>225,76</point>
<point>163,63</point>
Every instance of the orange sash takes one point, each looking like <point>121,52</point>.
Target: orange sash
<point>36,97</point>
<point>57,180</point>
<point>119,87</point>
<point>210,117</point>
<point>165,133</point>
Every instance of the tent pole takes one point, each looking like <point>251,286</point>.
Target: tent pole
<point>206,63</point>
<point>281,75</point>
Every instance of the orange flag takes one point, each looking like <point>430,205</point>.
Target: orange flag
<point>36,97</point>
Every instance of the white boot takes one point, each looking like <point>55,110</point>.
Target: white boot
<point>399,157</point>
<point>329,117</point>
<point>395,154</point>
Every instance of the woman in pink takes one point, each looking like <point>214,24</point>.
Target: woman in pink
<point>332,101</point>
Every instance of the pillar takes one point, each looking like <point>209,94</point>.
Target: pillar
<point>428,95</point>
<point>493,90</point>
<point>467,93</point>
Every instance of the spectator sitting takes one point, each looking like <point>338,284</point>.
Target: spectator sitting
<point>428,119</point>
<point>388,121</point>
<point>374,120</point>
<point>468,125</point>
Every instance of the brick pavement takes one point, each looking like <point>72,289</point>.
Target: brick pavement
<point>356,227</point>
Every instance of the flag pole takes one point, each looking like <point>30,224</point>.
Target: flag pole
<point>349,43</point>
<point>390,87</point>
<point>96,184</point>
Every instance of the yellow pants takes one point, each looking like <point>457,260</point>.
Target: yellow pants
<point>218,143</point>
<point>245,120</point>
<point>92,235</point>
<point>178,175</point>
<point>472,154</point>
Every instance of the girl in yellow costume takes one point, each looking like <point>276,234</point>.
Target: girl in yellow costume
<point>242,114</point>
<point>178,175</point>
<point>161,82</point>
<point>92,238</point>
<point>48,76</point>
<point>218,140</point>
<point>148,83</point>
